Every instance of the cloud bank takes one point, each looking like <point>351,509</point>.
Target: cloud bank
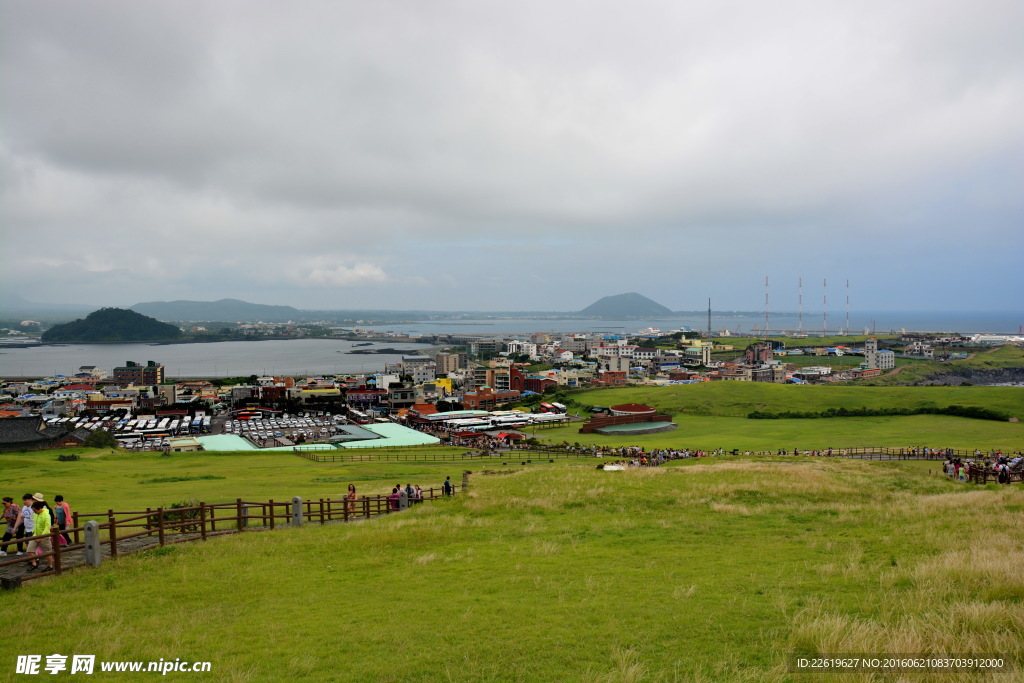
<point>508,155</point>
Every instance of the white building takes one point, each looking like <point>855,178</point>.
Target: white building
<point>875,359</point>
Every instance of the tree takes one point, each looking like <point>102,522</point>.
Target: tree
<point>101,438</point>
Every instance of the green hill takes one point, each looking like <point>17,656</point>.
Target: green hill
<point>737,399</point>
<point>709,570</point>
<point>112,325</point>
<point>631,305</point>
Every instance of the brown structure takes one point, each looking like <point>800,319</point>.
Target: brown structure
<point>595,423</point>
<point>487,398</point>
<point>133,373</point>
<point>33,434</point>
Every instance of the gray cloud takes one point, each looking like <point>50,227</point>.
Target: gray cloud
<point>487,154</point>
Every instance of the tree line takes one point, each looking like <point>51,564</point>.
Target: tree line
<point>973,412</point>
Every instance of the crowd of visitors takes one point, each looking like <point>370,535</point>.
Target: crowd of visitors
<point>30,526</point>
<point>1004,467</point>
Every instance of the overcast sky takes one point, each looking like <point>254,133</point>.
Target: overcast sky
<point>513,155</point>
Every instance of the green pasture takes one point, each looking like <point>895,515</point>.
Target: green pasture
<point>118,480</point>
<point>995,359</point>
<point>934,431</point>
<point>809,342</point>
<point>709,570</point>
<point>740,398</point>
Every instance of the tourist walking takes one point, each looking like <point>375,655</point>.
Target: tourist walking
<point>10,521</point>
<point>448,488</point>
<point>40,535</point>
<point>25,524</point>
<point>62,511</point>
<point>350,499</point>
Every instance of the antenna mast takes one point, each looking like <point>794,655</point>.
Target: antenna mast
<point>800,289</point>
<point>765,305</point>
<point>709,317</point>
<point>847,308</point>
<point>824,308</point>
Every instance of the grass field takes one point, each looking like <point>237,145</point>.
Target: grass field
<point>740,398</point>
<point>710,570</point>
<point>933,431</point>
<point>814,341</point>
<point>994,359</point>
<point>104,480</point>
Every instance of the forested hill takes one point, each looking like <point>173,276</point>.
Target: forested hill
<point>112,325</point>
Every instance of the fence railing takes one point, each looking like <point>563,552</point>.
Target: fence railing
<point>465,456</point>
<point>122,532</point>
<point>984,475</point>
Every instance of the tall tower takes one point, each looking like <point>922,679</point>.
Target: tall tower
<point>709,317</point>
<point>824,308</point>
<point>800,289</point>
<point>766,306</point>
<point>847,308</point>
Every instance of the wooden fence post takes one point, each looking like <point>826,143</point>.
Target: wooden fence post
<point>271,504</point>
<point>160,524</point>
<point>76,525</point>
<point>55,540</point>
<point>202,520</point>
<point>113,533</point>
<point>238,507</point>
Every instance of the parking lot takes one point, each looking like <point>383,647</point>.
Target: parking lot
<point>284,430</point>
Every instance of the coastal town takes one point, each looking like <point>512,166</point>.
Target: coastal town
<point>467,386</point>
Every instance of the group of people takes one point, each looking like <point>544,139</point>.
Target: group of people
<point>31,526</point>
<point>411,493</point>
<point>1002,465</point>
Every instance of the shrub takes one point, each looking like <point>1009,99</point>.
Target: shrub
<point>174,513</point>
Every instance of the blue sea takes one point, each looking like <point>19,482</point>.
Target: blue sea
<point>331,356</point>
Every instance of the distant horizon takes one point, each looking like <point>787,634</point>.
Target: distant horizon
<point>807,312</point>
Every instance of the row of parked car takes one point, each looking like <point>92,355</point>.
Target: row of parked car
<point>282,427</point>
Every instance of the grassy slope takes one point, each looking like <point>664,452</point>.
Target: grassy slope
<point>712,570</point>
<point>100,482</point>
<point>739,398</point>
<point>1002,357</point>
<point>852,432</point>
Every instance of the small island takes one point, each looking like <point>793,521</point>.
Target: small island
<point>112,325</point>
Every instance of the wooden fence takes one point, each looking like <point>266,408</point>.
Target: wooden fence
<point>984,475</point>
<point>124,532</point>
<point>466,456</point>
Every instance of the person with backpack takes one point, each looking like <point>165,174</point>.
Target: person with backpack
<point>448,488</point>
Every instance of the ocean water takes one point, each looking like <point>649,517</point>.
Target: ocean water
<point>859,321</point>
<point>215,359</point>
<point>323,356</point>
